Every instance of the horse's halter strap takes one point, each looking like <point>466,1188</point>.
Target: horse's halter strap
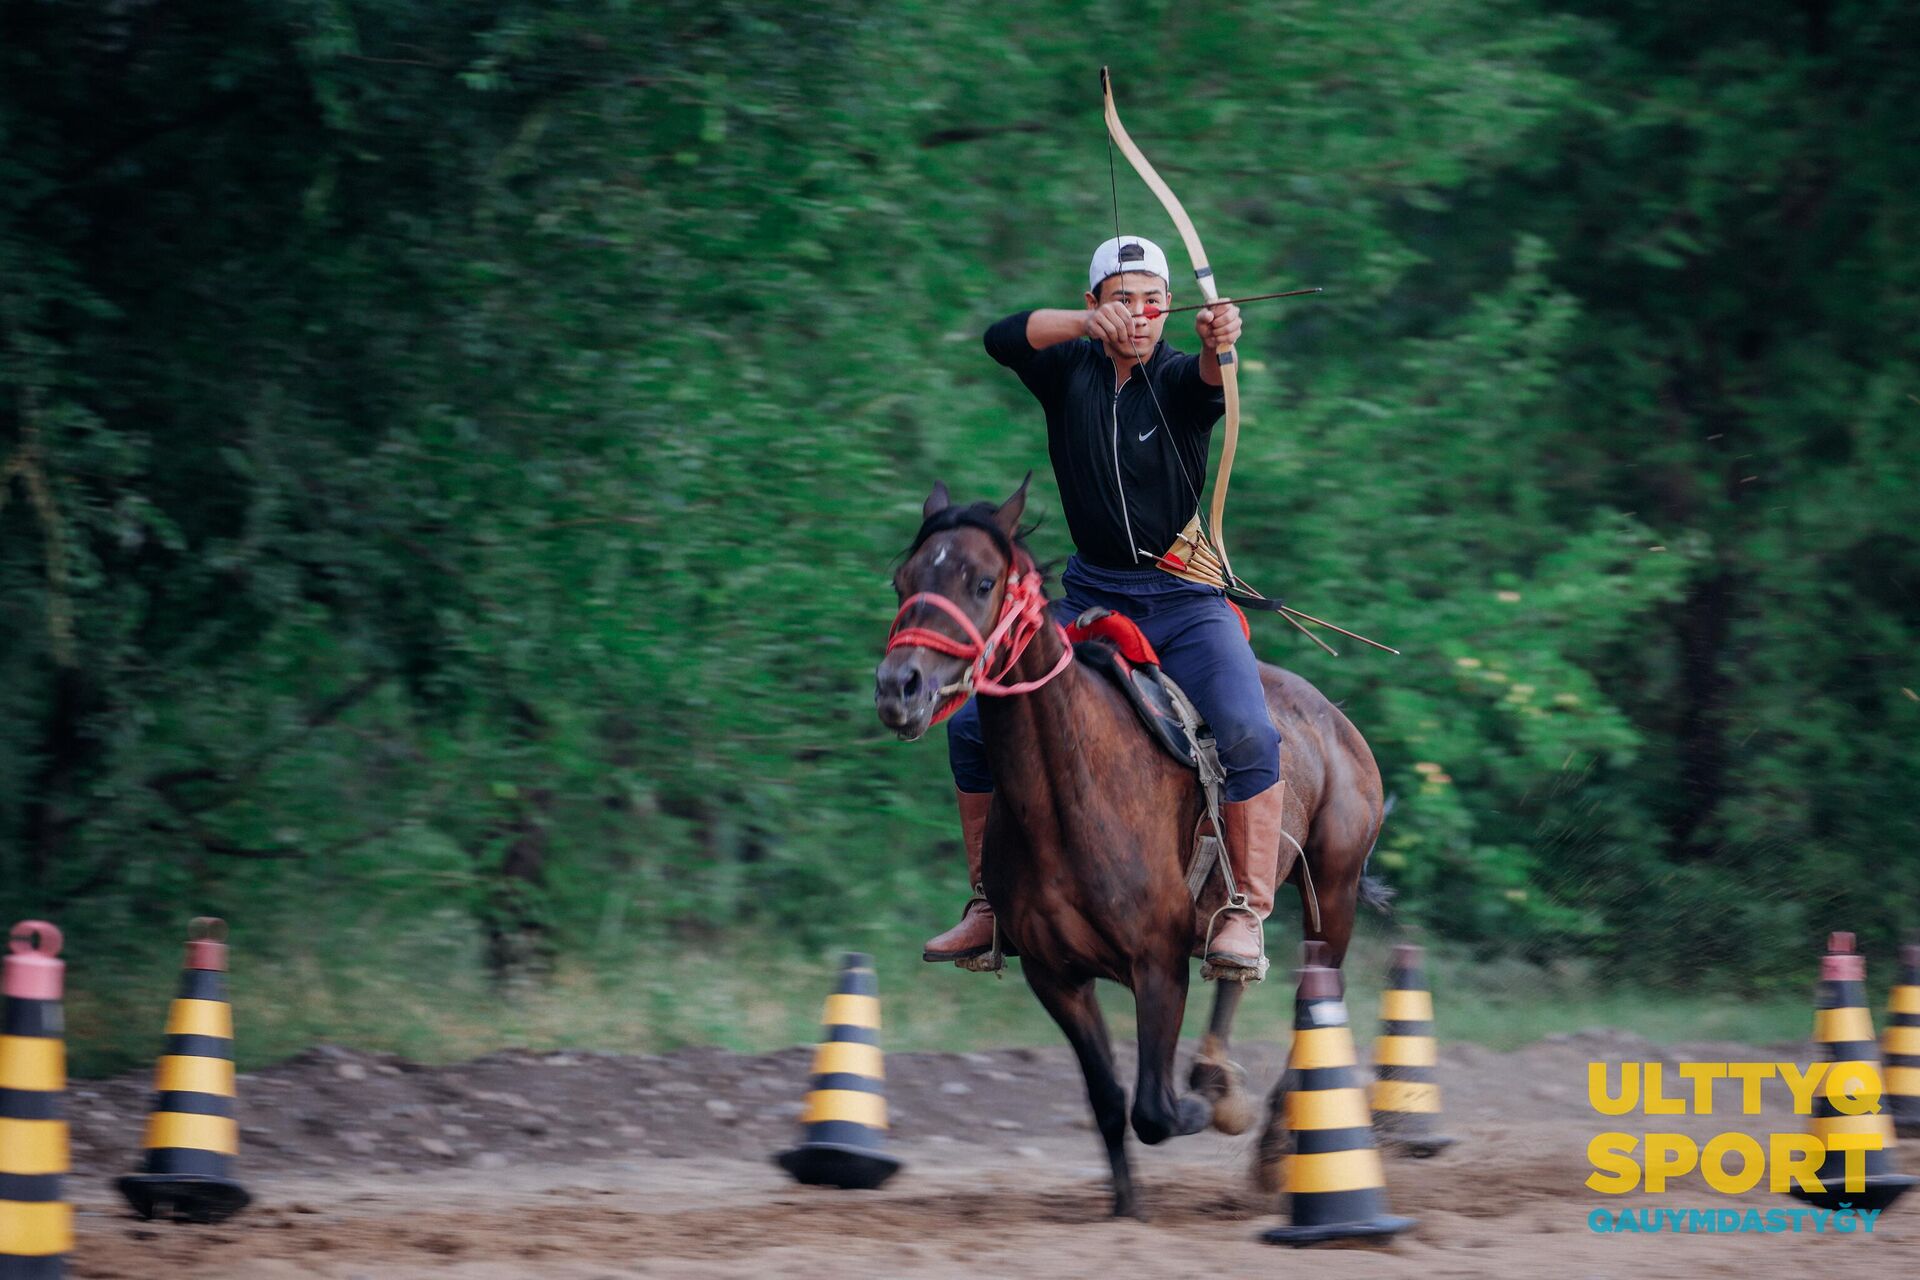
<point>1023,611</point>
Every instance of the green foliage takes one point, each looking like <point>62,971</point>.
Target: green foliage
<point>453,452</point>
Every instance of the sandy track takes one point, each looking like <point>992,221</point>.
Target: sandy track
<point>599,1167</point>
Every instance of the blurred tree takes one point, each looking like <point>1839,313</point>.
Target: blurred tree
<point>452,452</point>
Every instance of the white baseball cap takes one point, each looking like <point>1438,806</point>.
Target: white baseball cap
<point>1126,253</point>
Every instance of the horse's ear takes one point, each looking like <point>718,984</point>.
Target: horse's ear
<point>937,501</point>
<point>1008,516</point>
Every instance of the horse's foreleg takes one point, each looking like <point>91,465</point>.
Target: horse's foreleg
<point>1214,1076</point>
<point>1160,1002</point>
<point>1074,1007</point>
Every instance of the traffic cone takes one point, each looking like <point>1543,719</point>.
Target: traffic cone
<point>846,1114</point>
<point>36,1227</point>
<point>1406,1090</point>
<point>1901,1045</point>
<point>1335,1186</point>
<point>192,1136</point>
<point>1844,1030</point>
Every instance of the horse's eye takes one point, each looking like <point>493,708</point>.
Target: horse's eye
<point>985,588</point>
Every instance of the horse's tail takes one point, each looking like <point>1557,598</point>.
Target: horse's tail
<point>1375,892</point>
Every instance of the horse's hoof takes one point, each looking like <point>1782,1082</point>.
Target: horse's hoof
<point>1234,1113</point>
<point>1220,1082</point>
<point>1195,1114</point>
<point>1214,1077</point>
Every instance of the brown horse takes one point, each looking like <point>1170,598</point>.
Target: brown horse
<point>1091,825</point>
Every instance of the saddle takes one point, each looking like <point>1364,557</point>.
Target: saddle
<point>1114,645</point>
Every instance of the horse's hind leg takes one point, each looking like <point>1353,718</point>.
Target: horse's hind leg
<point>1276,1140</point>
<point>1337,851</point>
<point>1336,871</point>
<point>1160,1001</point>
<point>1073,1006</point>
<point>1214,1076</point>
<point>1336,920</point>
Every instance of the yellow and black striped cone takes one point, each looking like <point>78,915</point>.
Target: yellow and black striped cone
<point>1901,1045</point>
<point>36,1226</point>
<point>192,1135</point>
<point>1406,1087</point>
<point>1336,1188</point>
<point>1844,1030</point>
<point>845,1121</point>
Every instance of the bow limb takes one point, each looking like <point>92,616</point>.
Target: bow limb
<point>1209,289</point>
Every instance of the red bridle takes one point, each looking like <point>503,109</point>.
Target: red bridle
<point>1023,611</point>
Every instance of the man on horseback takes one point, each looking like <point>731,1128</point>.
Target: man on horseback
<point>1129,420</point>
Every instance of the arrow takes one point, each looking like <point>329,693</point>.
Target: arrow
<point>1154,313</point>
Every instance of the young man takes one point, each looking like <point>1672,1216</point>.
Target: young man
<point>1128,423</point>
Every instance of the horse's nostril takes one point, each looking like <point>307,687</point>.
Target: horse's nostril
<point>910,687</point>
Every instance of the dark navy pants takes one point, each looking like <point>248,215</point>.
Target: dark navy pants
<point>1198,638</point>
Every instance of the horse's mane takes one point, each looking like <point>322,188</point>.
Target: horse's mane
<point>979,515</point>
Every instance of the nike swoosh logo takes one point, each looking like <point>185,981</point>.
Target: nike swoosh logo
<point>1143,439</point>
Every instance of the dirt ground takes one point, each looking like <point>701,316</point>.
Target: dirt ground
<point>604,1166</point>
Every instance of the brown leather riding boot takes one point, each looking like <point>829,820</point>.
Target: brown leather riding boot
<point>973,936</point>
<point>1252,836</point>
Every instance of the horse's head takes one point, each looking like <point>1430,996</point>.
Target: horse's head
<point>964,556</point>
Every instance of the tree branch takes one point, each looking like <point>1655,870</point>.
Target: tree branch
<point>167,784</point>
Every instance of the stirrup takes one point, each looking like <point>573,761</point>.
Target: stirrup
<point>1211,972</point>
<point>990,961</point>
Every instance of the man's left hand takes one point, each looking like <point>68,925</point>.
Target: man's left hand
<point>1218,326</point>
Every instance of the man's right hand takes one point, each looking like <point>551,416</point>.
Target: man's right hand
<point>1114,326</point>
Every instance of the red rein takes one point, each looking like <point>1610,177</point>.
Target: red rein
<point>1023,611</point>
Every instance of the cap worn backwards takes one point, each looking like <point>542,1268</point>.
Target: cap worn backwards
<point>1125,253</point>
